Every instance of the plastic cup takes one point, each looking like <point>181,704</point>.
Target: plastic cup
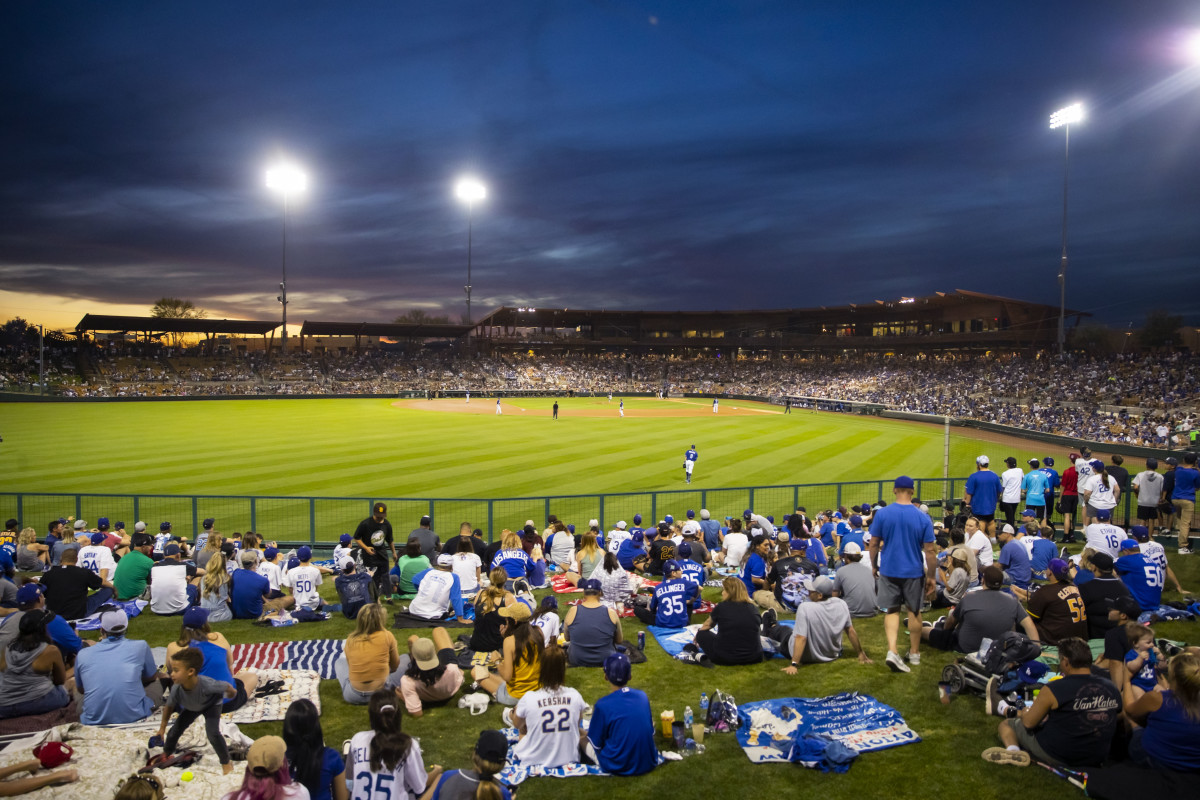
<point>698,732</point>
<point>668,719</point>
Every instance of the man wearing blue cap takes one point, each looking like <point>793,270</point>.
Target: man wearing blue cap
<point>1143,578</point>
<point>1101,535</point>
<point>982,494</point>
<point>905,570</point>
<point>621,734</point>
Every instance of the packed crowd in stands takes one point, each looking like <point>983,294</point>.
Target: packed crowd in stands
<point>1146,399</point>
<point>1012,586</point>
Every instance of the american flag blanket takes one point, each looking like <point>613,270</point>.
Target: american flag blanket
<point>317,655</point>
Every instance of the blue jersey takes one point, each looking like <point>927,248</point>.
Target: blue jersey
<point>670,603</point>
<point>1143,578</point>
<point>754,567</point>
<point>622,732</point>
<point>1043,551</point>
<point>813,550</point>
<point>627,551</point>
<point>855,536</point>
<point>1187,481</point>
<point>691,455</point>
<point>826,534</point>
<point>1014,559</point>
<point>984,487</point>
<point>694,574</point>
<point>1052,479</point>
<point>1035,485</point>
<point>515,562</point>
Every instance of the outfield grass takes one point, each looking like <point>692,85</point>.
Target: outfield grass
<point>371,448</point>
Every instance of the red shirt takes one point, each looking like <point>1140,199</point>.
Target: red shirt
<point>1070,482</point>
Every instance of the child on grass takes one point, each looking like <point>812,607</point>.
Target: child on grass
<point>195,695</point>
<point>385,759</point>
<point>1142,662</point>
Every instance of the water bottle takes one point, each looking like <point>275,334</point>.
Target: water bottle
<point>704,706</point>
<point>688,719</point>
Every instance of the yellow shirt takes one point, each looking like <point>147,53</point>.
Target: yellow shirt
<point>370,659</point>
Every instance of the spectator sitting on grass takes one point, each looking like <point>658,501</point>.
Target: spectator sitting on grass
<point>354,589</point>
<point>133,570</point>
<point>817,633</point>
<point>855,583</point>
<point>370,660</point>
<point>553,745</point>
<point>621,734</point>
<point>249,592</point>
<point>438,592</point>
<point>953,575</point>
<point>520,659</point>
<point>736,639</point>
<point>62,633</point>
<point>985,614</point>
<point>408,565</point>
<point>431,671</point>
<point>1014,560</point>
<point>592,629</point>
<point>491,753</point>
<point>32,673</point>
<point>513,559</point>
<point>617,587</point>
<point>1057,609</point>
<point>173,583</point>
<point>1071,722</point>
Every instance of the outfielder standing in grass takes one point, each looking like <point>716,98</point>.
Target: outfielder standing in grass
<point>903,576</point>
<point>689,462</point>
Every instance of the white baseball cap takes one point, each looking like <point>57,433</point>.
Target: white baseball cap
<point>851,549</point>
<point>139,526</point>
<point>982,461</point>
<point>621,525</point>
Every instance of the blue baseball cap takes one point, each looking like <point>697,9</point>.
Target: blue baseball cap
<point>591,585</point>
<point>747,514</point>
<point>1029,512</point>
<point>855,520</point>
<point>669,519</point>
<point>208,523</point>
<point>1103,513</point>
<point>837,515</point>
<point>303,553</point>
<point>270,553</point>
<point>1048,461</point>
<point>691,514</point>
<point>345,538</point>
<point>637,519</point>
<point>166,526</point>
<point>1140,532</point>
<point>98,538</point>
<point>102,523</point>
<point>571,528</point>
<point>1129,544</point>
<point>617,668</point>
<point>294,562</point>
<point>904,482</point>
<point>684,550</point>
<point>670,566</point>
<point>638,536</point>
<point>1032,672</point>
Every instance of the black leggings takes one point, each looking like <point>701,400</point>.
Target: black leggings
<point>709,642</point>
<point>212,727</point>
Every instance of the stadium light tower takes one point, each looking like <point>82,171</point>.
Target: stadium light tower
<point>1064,118</point>
<point>287,180</point>
<point>470,191</point>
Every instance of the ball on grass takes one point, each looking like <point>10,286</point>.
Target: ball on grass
<point>187,776</point>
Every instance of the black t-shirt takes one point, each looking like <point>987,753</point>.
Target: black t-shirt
<point>67,588</point>
<point>1116,643</point>
<point>661,551</point>
<point>1079,732</point>
<point>487,636</point>
<point>480,547</point>
<point>1122,476</point>
<point>1098,595</point>
<point>366,529</point>
<point>489,554</point>
<point>737,633</point>
<point>786,577</point>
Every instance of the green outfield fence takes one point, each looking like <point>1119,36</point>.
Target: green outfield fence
<point>321,520</point>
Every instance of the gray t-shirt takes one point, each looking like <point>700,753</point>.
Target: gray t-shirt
<point>856,584</point>
<point>823,623</point>
<point>956,585</point>
<point>429,542</point>
<point>204,694</point>
<point>986,614</point>
<point>1150,486</point>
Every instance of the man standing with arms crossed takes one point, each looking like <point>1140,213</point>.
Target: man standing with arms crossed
<point>905,572</point>
<point>1183,498</point>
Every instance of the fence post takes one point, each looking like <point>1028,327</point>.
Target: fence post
<point>21,508</point>
<point>602,524</point>
<point>195,516</point>
<point>752,497</point>
<point>546,510</point>
<point>704,498</point>
<point>653,507</point>
<point>838,504</point>
<point>795,496</point>
<point>253,513</point>
<point>432,522</point>
<point>78,506</point>
<point>137,503</point>
<point>490,511</point>
<point>312,520</point>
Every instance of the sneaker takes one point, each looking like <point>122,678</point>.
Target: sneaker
<point>1168,649</point>
<point>1184,551</point>
<point>1063,554</point>
<point>521,586</point>
<point>1002,755</point>
<point>914,658</point>
<point>926,624</point>
<point>991,697</point>
<point>506,715</point>
<point>896,663</point>
<point>769,619</point>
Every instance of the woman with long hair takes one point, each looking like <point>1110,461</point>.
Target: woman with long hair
<point>614,582</point>
<point>32,673</point>
<point>370,660</point>
<point>589,556</point>
<point>386,757</point>
<point>267,775</point>
<point>487,637</point>
<point>512,558</point>
<point>318,768</point>
<point>218,656</point>
<point>467,565</point>
<point>1101,491</point>
<point>212,545</point>
<point>491,753</point>
<point>408,565</point>
<point>214,587</point>
<point>548,718</point>
<point>520,659</point>
<point>1169,738</point>
<point>545,616</point>
<point>31,555</point>
<point>432,674</point>
<point>737,622</point>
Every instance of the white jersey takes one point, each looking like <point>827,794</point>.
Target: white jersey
<point>161,540</point>
<point>1083,469</point>
<point>1103,495</point>
<point>1153,551</point>
<point>981,546</point>
<point>552,727</point>
<point>1028,540</point>
<point>98,559</point>
<point>272,573</point>
<point>550,625</point>
<point>303,581</point>
<point>405,782</point>
<point>433,595</point>
<point>1104,538</point>
<point>340,552</point>
<point>614,538</point>
<point>465,567</point>
<point>735,546</point>
<point>1011,480</point>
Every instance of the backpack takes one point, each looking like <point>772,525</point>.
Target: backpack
<point>1008,649</point>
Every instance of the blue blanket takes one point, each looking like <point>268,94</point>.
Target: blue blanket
<point>783,729</point>
<point>514,772</point>
<point>673,639</point>
<point>131,608</point>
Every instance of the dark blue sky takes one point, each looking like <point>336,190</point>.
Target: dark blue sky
<point>667,155</point>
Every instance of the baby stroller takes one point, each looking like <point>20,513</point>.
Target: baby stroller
<point>1004,655</point>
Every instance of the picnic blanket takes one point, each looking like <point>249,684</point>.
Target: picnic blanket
<point>627,611</point>
<point>782,729</point>
<point>561,585</point>
<point>317,655</point>
<point>104,757</point>
<point>1167,613</point>
<point>41,722</point>
<point>297,685</point>
<point>673,639</point>
<point>515,773</point>
<point>405,620</point>
<point>131,608</point>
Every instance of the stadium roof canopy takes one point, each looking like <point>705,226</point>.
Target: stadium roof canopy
<point>107,322</point>
<point>388,330</point>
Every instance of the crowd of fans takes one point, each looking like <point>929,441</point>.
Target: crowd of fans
<point>1145,399</point>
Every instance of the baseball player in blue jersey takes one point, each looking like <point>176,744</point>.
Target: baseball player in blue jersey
<point>689,462</point>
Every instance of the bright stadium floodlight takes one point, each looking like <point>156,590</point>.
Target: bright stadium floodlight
<point>1191,47</point>
<point>1064,118</point>
<point>286,180</point>
<point>470,191</point>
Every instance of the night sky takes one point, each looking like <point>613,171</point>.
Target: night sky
<point>639,155</point>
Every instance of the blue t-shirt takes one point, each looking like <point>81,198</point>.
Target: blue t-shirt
<point>1171,737</point>
<point>332,765</point>
<point>63,635</point>
<point>1014,559</point>
<point>246,592</point>
<point>826,534</point>
<point>814,551</point>
<point>1052,480</point>
<point>515,562</point>
<point>1147,677</point>
<point>855,536</point>
<point>1035,486</point>
<point>984,487</point>
<point>1143,578</point>
<point>1043,552</point>
<point>622,732</point>
<point>1187,481</point>
<point>694,574</point>
<point>754,567</point>
<point>111,672</point>
<point>460,784</point>
<point>712,532</point>
<point>7,566</point>
<point>627,551</point>
<point>670,601</point>
<point>904,531</point>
